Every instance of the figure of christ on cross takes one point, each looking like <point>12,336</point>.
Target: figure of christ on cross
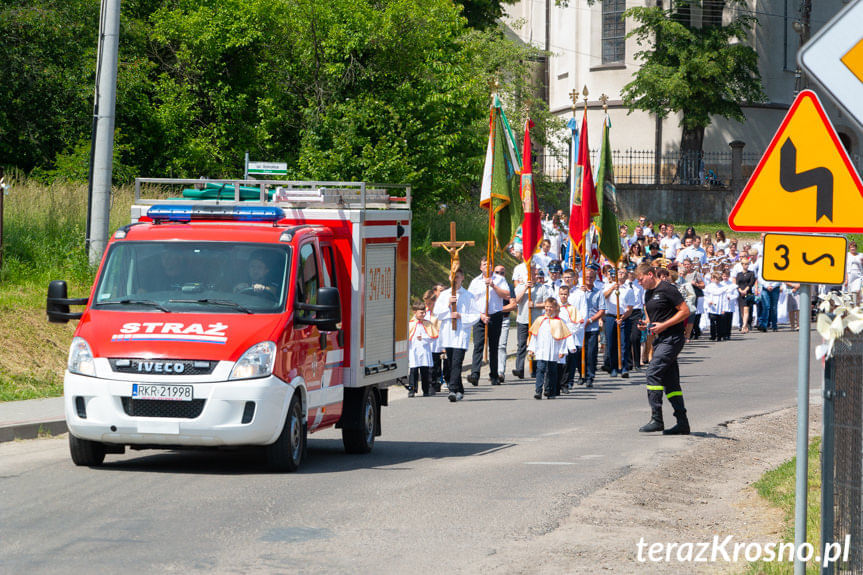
<point>453,246</point>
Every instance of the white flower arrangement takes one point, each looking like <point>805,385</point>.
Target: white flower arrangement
<point>838,314</point>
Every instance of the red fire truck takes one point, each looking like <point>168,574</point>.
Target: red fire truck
<point>246,313</point>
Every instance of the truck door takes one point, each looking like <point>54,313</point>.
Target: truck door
<point>332,383</point>
<point>306,338</point>
<point>320,354</point>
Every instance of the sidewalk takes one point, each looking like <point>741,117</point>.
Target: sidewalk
<point>26,419</point>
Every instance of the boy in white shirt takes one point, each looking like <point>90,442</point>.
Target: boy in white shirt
<point>669,244</point>
<point>618,295</point>
<point>548,344</point>
<point>421,335</point>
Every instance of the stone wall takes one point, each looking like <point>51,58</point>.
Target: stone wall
<point>683,204</point>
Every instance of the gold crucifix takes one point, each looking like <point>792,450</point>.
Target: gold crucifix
<point>604,100</point>
<point>453,246</point>
<point>574,97</point>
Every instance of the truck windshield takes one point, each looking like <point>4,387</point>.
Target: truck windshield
<point>196,277</point>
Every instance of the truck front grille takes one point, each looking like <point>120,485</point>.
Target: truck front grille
<point>178,367</point>
<point>163,408</point>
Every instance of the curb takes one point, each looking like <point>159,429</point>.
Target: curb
<point>32,430</point>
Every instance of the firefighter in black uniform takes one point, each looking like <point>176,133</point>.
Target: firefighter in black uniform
<point>665,311</point>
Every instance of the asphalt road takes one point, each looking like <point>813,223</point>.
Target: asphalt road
<point>446,486</point>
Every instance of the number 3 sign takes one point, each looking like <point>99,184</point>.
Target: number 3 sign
<point>804,258</point>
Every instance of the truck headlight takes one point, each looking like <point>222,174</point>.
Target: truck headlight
<point>258,361</point>
<point>81,358</point>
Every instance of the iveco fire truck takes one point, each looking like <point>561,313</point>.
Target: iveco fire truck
<point>241,313</point>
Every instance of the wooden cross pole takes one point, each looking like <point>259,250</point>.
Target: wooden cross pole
<point>453,246</point>
<point>617,324</point>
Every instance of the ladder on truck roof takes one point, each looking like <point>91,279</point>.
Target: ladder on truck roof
<point>283,193</point>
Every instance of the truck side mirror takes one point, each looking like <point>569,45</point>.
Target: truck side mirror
<point>327,312</point>
<point>329,297</point>
<point>57,304</point>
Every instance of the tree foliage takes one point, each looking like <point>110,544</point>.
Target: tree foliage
<point>696,68</point>
<point>483,14</point>
<point>47,58</point>
<point>378,90</point>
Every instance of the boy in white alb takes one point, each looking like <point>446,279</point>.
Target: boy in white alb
<point>715,303</point>
<point>731,293</point>
<point>573,315</point>
<point>549,338</point>
<point>421,336</point>
<point>429,298</point>
<point>455,337</point>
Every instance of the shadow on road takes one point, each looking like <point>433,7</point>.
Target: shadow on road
<point>322,456</point>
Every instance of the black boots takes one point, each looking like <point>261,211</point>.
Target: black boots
<point>654,398</point>
<point>653,425</point>
<point>682,427</point>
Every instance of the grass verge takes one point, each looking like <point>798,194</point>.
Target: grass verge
<point>777,487</point>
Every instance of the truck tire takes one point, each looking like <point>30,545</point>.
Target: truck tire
<point>85,452</point>
<point>287,452</point>
<point>362,439</point>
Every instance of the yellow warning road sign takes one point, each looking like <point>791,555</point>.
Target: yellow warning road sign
<point>805,181</point>
<point>804,259</point>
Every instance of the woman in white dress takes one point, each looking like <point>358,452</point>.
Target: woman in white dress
<point>555,233</point>
<point>720,243</point>
<point>854,271</point>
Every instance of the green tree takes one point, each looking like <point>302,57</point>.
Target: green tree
<point>47,63</point>
<point>47,56</point>
<point>394,90</point>
<point>696,68</point>
<point>483,14</point>
<point>378,90</point>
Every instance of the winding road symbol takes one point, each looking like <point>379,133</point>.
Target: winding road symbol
<point>805,181</point>
<point>793,181</point>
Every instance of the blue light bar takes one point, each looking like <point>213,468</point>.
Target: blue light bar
<point>188,212</point>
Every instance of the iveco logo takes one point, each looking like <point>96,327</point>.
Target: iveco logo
<point>160,367</point>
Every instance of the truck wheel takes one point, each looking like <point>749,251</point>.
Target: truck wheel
<point>288,450</point>
<point>85,452</point>
<point>363,439</point>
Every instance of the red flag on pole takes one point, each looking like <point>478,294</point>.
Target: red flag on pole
<point>531,231</point>
<point>584,205</point>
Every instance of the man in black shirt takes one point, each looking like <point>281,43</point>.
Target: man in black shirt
<point>665,312</point>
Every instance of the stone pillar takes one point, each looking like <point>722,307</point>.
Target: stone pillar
<point>737,182</point>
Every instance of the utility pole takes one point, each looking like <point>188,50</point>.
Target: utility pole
<point>548,52</point>
<point>657,133</point>
<point>103,147</point>
<point>803,28</point>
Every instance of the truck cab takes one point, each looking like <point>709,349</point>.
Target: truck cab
<point>228,322</point>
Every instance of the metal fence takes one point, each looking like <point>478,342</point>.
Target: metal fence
<point>842,452</point>
<point>640,167</point>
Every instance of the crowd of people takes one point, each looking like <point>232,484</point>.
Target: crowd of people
<point>636,313</point>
